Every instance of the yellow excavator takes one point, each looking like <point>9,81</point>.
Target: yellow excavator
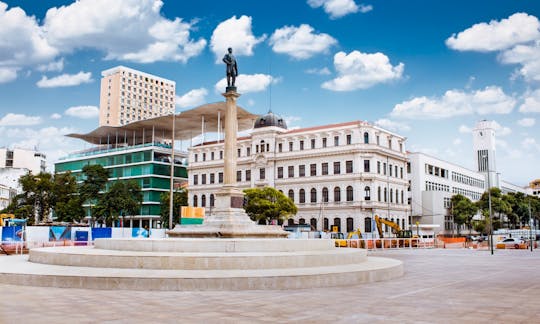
<point>342,242</point>
<point>400,233</point>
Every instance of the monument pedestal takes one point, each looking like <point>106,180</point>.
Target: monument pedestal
<point>228,219</point>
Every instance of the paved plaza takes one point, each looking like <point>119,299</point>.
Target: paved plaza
<point>439,286</point>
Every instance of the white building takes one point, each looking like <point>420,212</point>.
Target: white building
<point>337,175</point>
<point>534,188</point>
<point>22,159</point>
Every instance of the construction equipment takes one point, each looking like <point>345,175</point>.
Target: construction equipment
<point>402,234</point>
<point>340,240</point>
<point>4,218</point>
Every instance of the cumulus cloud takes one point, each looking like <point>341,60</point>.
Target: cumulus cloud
<point>11,119</point>
<point>358,70</point>
<point>528,56</point>
<point>192,98</point>
<point>465,129</point>
<point>526,122</point>
<point>300,42</point>
<point>83,112</point>
<point>322,71</point>
<point>363,8</point>
<point>497,35</point>
<point>501,130</point>
<point>55,116</point>
<point>531,103</point>
<point>236,33</point>
<point>7,74</point>
<point>491,100</point>
<point>132,30</point>
<point>338,8</point>
<point>530,143</point>
<point>392,125</point>
<point>65,80</point>
<point>55,66</point>
<point>248,83</point>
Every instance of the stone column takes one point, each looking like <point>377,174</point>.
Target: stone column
<point>231,130</point>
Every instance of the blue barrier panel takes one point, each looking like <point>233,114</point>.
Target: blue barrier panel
<point>101,232</point>
<point>12,234</point>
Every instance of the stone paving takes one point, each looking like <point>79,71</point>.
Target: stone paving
<point>439,286</point>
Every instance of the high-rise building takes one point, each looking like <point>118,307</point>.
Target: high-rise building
<point>17,158</point>
<point>128,95</point>
<point>484,151</point>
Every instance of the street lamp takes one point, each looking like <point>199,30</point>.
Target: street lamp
<point>489,204</point>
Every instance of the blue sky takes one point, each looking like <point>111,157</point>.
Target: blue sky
<point>428,70</point>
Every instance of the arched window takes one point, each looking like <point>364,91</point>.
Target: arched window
<point>325,224</point>
<point>337,194</point>
<point>302,221</point>
<point>291,194</point>
<point>325,194</point>
<point>337,222</point>
<point>401,196</point>
<point>403,223</point>
<point>366,138</point>
<point>367,192</point>
<point>397,196</point>
<point>203,201</point>
<point>350,224</point>
<point>313,223</point>
<point>385,195</point>
<point>290,221</point>
<point>350,193</point>
<point>195,199</point>
<point>302,196</point>
<point>212,200</point>
<point>391,195</point>
<point>313,195</point>
<point>378,193</point>
<point>367,225</point>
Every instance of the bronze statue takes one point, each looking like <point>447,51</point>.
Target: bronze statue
<point>232,67</point>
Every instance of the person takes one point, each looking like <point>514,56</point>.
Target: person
<point>232,67</point>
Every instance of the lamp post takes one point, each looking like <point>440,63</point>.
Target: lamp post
<point>530,226</point>
<point>171,191</point>
<point>489,204</point>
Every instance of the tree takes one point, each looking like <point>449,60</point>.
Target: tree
<point>65,200</point>
<point>266,204</point>
<point>34,203</point>
<point>95,179</point>
<point>180,199</point>
<point>498,204</point>
<point>463,210</point>
<point>122,198</point>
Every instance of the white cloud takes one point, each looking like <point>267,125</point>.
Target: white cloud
<point>392,125</point>
<point>323,71</point>
<point>530,143</point>
<point>22,42</point>
<point>247,83</point>
<point>337,8</point>
<point>11,119</point>
<point>358,70</point>
<point>501,130</point>
<point>192,98</point>
<point>457,141</point>
<point>490,100</point>
<point>465,129</point>
<point>55,116</point>
<point>531,103</point>
<point>363,8</point>
<point>55,66</point>
<point>497,35</point>
<point>65,80</point>
<point>528,56</point>
<point>234,33</point>
<point>83,112</point>
<point>526,122</point>
<point>300,42</point>
<point>291,120</point>
<point>509,150</point>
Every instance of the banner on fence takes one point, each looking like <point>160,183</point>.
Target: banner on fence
<point>139,232</point>
<point>101,232</point>
<point>59,233</point>
<point>12,234</point>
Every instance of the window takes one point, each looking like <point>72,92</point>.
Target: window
<point>203,179</point>
<point>391,195</point>
<point>379,167</point>
<point>401,147</point>
<point>337,222</point>
<point>397,196</point>
<point>390,143</point>
<point>313,223</point>
<point>195,179</point>
<point>378,140</point>
<point>221,155</point>
<point>366,165</point>
<point>290,146</point>
<point>248,151</point>
<point>337,194</point>
<point>196,156</point>
<point>301,145</point>
<point>280,147</point>
<point>390,169</point>
<point>262,173</point>
<point>312,143</point>
<point>280,172</point>
<point>194,200</point>
<point>348,166</point>
<point>291,194</point>
<point>325,194</point>
<point>212,156</point>
<point>324,142</point>
<point>313,169</point>
<point>395,170</point>
<point>325,224</point>
<point>302,170</point>
<point>401,196</point>
<point>248,175</point>
<point>350,224</point>
<point>203,201</point>
<point>324,168</point>
<point>401,172</point>
<point>349,139</point>
<point>290,171</point>
<point>212,178</point>
<point>238,176</point>
<point>384,168</point>
<point>350,193</point>
<point>367,193</point>
<point>204,156</point>
<point>238,151</point>
<point>313,195</point>
<point>337,167</point>
<point>212,200</point>
<point>366,138</point>
<point>220,177</point>
<point>336,140</point>
<point>378,193</point>
<point>385,195</point>
<point>367,225</point>
<point>302,196</point>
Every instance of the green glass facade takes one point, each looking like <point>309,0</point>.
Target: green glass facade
<point>149,166</point>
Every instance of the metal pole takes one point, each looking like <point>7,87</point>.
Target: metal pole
<point>489,206</point>
<point>171,193</point>
<point>530,225</point>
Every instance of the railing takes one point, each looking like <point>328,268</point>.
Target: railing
<point>387,243</point>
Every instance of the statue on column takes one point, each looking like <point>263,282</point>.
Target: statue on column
<point>232,68</point>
